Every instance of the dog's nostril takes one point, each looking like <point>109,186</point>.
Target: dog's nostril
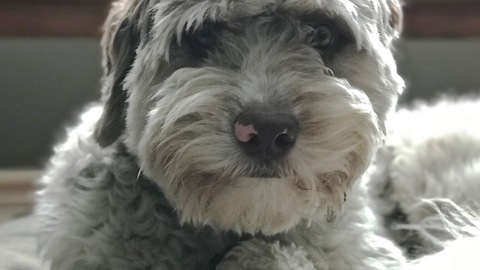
<point>266,135</point>
<point>284,139</point>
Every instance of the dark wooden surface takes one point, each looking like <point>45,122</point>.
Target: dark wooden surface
<point>55,18</point>
<point>84,18</point>
<point>442,19</point>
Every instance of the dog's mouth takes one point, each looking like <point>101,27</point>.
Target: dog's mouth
<point>263,172</point>
<point>264,175</point>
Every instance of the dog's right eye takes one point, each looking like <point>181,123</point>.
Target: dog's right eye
<point>207,35</point>
<point>203,38</point>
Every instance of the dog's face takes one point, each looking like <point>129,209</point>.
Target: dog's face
<point>250,115</point>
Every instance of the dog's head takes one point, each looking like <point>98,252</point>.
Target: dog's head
<point>250,115</point>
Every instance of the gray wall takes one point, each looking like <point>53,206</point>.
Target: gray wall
<point>435,68</point>
<point>44,83</point>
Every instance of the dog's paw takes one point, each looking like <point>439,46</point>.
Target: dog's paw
<point>259,255</point>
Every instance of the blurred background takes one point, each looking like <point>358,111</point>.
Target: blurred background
<point>50,69</point>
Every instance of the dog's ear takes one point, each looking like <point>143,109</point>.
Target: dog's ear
<point>396,16</point>
<point>122,36</point>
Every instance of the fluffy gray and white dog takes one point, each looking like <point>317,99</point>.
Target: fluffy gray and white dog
<point>233,134</point>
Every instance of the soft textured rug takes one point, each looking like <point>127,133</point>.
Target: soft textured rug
<point>18,248</point>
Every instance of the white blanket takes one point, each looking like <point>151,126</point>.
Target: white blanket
<point>18,248</point>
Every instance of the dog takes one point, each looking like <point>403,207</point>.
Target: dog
<point>230,135</point>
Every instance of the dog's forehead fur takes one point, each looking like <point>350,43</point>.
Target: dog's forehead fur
<point>368,19</point>
<point>372,21</point>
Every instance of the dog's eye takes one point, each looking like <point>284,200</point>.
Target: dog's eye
<point>204,37</point>
<point>207,35</point>
<point>324,37</point>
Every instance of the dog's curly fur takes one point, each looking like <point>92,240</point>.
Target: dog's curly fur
<point>154,178</point>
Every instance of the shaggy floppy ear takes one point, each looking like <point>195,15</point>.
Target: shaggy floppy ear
<point>121,38</point>
<point>396,16</point>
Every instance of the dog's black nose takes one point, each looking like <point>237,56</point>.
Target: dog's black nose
<point>266,135</point>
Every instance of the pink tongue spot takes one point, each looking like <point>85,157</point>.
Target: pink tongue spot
<point>244,133</point>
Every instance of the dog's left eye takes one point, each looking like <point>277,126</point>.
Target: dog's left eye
<point>324,37</point>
